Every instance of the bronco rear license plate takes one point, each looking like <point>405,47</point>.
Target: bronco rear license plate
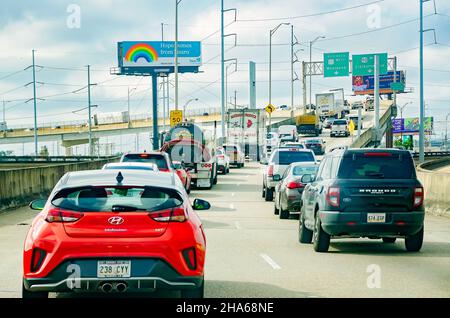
<point>376,217</point>
<point>113,269</point>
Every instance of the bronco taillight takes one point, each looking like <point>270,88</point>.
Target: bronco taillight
<point>333,196</point>
<point>61,216</point>
<point>418,196</point>
<point>169,215</point>
<point>37,259</point>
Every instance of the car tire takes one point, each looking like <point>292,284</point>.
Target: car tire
<point>389,240</point>
<point>26,294</point>
<point>321,239</point>
<point>264,191</point>
<point>228,170</point>
<point>305,235</point>
<point>269,194</point>
<point>413,243</point>
<point>276,210</point>
<point>215,180</point>
<point>284,214</point>
<point>198,292</point>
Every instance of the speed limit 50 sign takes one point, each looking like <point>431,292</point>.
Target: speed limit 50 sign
<point>176,117</point>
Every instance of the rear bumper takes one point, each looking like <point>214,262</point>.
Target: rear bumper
<point>80,275</point>
<point>398,224</point>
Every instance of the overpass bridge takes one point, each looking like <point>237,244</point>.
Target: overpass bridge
<point>72,135</point>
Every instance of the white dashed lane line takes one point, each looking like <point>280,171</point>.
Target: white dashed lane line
<point>270,261</point>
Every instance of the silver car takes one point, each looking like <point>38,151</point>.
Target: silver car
<point>288,192</point>
<point>279,161</point>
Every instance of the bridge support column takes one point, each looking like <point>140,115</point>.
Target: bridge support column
<point>389,137</point>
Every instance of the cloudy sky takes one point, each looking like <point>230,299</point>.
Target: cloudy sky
<point>62,52</point>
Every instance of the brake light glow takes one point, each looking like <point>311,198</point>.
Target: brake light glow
<point>295,185</point>
<point>418,196</point>
<point>270,171</point>
<point>333,196</point>
<point>61,216</point>
<point>164,170</point>
<point>169,215</point>
<point>377,154</point>
<point>144,155</point>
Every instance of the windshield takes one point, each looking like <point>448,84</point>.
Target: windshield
<point>340,122</point>
<point>299,170</point>
<point>386,166</point>
<point>120,199</point>
<point>288,157</point>
<point>314,141</point>
<point>158,160</point>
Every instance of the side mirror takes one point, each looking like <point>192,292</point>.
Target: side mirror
<point>38,204</point>
<point>307,178</point>
<point>201,205</point>
<point>277,177</point>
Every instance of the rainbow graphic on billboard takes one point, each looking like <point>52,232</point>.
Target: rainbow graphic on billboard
<point>141,51</point>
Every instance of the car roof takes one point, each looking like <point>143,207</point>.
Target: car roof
<point>145,153</point>
<point>344,151</point>
<point>304,164</point>
<point>296,149</point>
<point>132,164</point>
<point>109,178</point>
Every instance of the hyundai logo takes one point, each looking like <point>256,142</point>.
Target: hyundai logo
<point>115,220</point>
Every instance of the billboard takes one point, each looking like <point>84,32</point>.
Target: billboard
<point>243,125</point>
<point>411,125</point>
<point>158,57</point>
<point>364,85</point>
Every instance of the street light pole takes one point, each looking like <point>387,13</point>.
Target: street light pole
<point>271,33</point>
<point>177,2</point>
<point>89,110</point>
<point>185,105</point>
<point>310,68</point>
<point>35,108</point>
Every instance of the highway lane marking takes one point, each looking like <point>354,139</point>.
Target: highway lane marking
<point>270,261</point>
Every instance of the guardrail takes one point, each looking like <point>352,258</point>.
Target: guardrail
<point>52,159</point>
<point>433,154</point>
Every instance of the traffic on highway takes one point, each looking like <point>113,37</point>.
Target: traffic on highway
<point>225,155</point>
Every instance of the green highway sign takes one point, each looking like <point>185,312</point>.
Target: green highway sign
<point>363,64</point>
<point>336,64</point>
<point>398,86</point>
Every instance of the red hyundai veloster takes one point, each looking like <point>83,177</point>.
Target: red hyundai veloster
<point>114,231</point>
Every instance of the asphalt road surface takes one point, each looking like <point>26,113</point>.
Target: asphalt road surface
<point>252,253</point>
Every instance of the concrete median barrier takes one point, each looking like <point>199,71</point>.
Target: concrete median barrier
<point>436,185</point>
<point>21,185</point>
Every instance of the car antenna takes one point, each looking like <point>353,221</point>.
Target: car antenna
<point>119,177</point>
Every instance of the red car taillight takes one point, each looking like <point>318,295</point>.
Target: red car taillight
<point>221,156</point>
<point>61,216</point>
<point>333,196</point>
<point>270,171</point>
<point>169,215</point>
<point>37,259</point>
<point>295,185</point>
<point>418,196</point>
<point>190,258</point>
<point>164,170</point>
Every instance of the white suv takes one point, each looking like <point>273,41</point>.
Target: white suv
<point>279,160</point>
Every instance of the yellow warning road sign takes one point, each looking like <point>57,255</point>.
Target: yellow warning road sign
<point>176,117</point>
<point>270,108</point>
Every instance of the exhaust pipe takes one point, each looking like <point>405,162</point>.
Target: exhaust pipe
<point>106,287</point>
<point>121,287</point>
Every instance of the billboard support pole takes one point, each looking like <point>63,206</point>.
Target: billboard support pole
<point>155,111</point>
<point>377,96</point>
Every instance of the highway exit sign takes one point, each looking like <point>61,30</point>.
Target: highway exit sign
<point>363,64</point>
<point>336,64</point>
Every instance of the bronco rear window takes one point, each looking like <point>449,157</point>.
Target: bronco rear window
<point>116,199</point>
<point>158,160</point>
<point>373,165</point>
